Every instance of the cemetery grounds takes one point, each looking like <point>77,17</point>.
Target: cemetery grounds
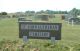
<point>10,41</point>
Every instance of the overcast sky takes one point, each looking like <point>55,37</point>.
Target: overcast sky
<point>36,5</point>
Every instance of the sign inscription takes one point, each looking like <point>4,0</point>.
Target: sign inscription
<point>40,27</point>
<point>39,34</point>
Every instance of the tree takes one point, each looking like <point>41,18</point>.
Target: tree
<point>74,12</point>
<point>78,12</point>
<point>3,13</point>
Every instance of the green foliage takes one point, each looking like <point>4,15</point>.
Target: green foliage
<point>3,13</point>
<point>75,12</point>
<point>11,46</point>
<point>52,12</point>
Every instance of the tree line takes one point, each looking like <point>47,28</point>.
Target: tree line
<point>73,12</point>
<point>47,12</point>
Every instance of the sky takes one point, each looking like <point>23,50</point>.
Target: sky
<point>37,5</point>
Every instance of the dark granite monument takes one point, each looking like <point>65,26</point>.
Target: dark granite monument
<point>39,30</point>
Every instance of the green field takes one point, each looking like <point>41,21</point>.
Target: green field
<point>70,36</point>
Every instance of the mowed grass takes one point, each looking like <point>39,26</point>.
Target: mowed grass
<point>9,29</point>
<point>70,34</point>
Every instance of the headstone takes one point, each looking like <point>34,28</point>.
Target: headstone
<point>21,19</point>
<point>63,17</point>
<point>43,17</point>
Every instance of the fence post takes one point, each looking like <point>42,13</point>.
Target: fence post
<point>25,39</point>
<point>72,22</point>
<point>53,40</point>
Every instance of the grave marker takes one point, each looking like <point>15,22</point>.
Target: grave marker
<point>43,17</point>
<point>22,19</point>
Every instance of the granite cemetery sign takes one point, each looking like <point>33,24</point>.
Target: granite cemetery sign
<point>39,30</point>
